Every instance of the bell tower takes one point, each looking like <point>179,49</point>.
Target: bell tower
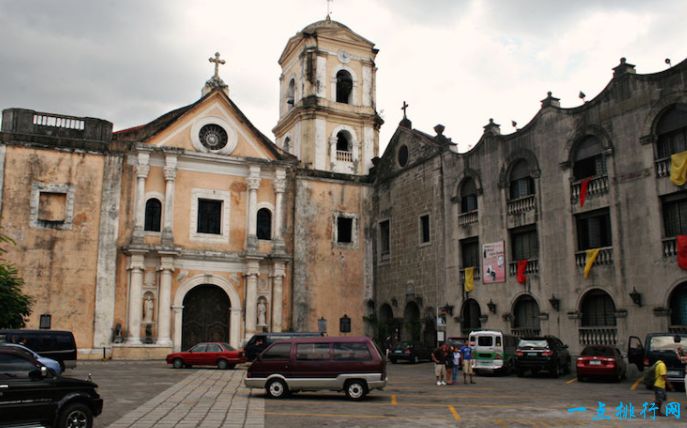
<point>327,111</point>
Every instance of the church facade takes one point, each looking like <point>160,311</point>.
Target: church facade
<point>197,227</point>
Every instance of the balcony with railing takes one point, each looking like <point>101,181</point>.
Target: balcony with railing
<point>669,247</point>
<point>521,205</point>
<point>597,186</point>
<point>468,218</point>
<point>344,156</point>
<point>663,167</point>
<point>525,331</point>
<point>605,257</point>
<point>531,268</point>
<point>598,335</point>
<point>24,121</point>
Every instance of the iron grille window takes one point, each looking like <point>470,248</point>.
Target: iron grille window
<point>469,250</point>
<point>598,310</point>
<point>675,215</point>
<point>424,226</point>
<point>209,216</point>
<point>152,215</point>
<point>594,230</point>
<point>524,243</point>
<point>384,244</point>
<point>526,313</point>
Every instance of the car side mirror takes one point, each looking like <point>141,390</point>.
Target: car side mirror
<point>38,373</point>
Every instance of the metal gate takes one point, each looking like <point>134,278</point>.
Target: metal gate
<point>205,317</point>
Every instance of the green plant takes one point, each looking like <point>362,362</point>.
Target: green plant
<point>15,306</point>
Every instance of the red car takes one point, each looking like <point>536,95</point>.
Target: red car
<point>217,354</point>
<point>601,361</point>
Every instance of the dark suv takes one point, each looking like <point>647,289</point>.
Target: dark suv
<point>30,394</point>
<point>410,351</point>
<point>546,353</point>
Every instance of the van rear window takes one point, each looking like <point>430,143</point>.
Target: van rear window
<point>667,343</point>
<point>351,352</point>
<point>485,340</point>
<point>312,351</point>
<point>280,351</point>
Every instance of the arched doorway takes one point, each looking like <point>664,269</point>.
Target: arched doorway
<point>598,324</point>
<point>470,314</point>
<point>385,327</point>
<point>205,316</point>
<point>678,309</point>
<point>429,332</point>
<point>411,322</point>
<point>525,316</point>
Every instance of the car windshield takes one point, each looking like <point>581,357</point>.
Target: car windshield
<point>593,351</point>
<point>667,343</point>
<point>228,347</point>
<point>532,343</point>
<point>485,340</point>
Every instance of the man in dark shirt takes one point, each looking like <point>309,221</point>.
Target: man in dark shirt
<point>439,356</point>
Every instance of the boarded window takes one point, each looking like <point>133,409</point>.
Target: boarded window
<point>344,230</point>
<point>52,207</point>
<point>209,216</point>
<point>152,215</point>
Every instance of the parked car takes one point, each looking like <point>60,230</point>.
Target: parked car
<point>219,354</point>
<point>493,351</point>
<point>599,361</point>
<point>31,395</point>
<point>350,364</point>
<point>259,342</point>
<point>410,351</point>
<point>55,344</point>
<point>47,362</point>
<point>661,346</point>
<point>546,353</point>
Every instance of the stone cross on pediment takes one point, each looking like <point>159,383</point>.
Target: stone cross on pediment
<point>217,63</point>
<point>404,108</point>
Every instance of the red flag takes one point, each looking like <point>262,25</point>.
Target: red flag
<point>522,265</point>
<point>682,251</point>
<point>583,190</point>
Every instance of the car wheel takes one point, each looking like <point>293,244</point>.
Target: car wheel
<point>415,359</point>
<point>76,415</point>
<point>356,390</point>
<point>178,363</point>
<point>556,371</point>
<point>276,388</point>
<point>222,364</point>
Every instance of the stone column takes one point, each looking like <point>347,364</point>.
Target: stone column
<point>178,312</point>
<point>164,305</point>
<point>253,185</point>
<point>235,328</point>
<point>251,296</point>
<point>135,302</point>
<point>142,169</point>
<point>279,189</point>
<point>277,293</point>
<point>170,172</point>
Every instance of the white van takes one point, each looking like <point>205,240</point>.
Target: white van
<point>493,351</point>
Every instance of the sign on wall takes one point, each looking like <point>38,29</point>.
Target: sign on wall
<point>493,263</point>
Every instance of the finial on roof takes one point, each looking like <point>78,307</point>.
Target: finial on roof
<point>215,82</point>
<point>550,101</point>
<point>405,122</point>
<point>492,128</point>
<point>329,10</point>
<point>623,68</point>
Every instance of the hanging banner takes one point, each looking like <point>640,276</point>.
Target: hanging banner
<point>493,263</point>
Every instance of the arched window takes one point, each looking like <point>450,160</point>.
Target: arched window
<point>589,160</point>
<point>470,316</point>
<point>152,215</point>
<point>521,184</point>
<point>287,144</point>
<point>526,316</point>
<point>344,87</point>
<point>468,196</point>
<point>598,309</point>
<point>264,224</point>
<point>672,131</point>
<point>343,141</point>
<point>678,305</point>
<point>291,93</point>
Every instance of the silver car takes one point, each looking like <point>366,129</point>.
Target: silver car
<point>47,362</point>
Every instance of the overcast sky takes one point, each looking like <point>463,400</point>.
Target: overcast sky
<point>458,63</point>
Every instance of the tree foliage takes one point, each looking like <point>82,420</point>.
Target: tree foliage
<point>15,306</point>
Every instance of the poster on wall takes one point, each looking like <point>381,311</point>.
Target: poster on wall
<point>493,263</point>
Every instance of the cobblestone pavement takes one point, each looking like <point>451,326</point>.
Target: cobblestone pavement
<point>205,399</point>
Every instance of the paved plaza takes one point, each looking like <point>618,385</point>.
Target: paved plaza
<point>149,394</point>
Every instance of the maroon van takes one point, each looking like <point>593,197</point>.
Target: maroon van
<point>350,364</point>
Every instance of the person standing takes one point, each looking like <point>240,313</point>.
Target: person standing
<point>466,352</point>
<point>660,385</point>
<point>450,367</point>
<point>439,356</point>
<point>455,355</point>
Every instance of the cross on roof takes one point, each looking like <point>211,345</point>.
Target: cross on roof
<point>329,7</point>
<point>404,108</point>
<point>217,62</point>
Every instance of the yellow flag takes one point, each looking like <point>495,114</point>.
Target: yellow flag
<point>678,168</point>
<point>469,279</point>
<point>591,257</point>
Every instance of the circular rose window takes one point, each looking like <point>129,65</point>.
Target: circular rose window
<point>214,137</point>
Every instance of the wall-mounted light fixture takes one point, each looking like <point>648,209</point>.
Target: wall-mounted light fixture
<point>636,297</point>
<point>447,309</point>
<point>492,306</point>
<point>555,303</point>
